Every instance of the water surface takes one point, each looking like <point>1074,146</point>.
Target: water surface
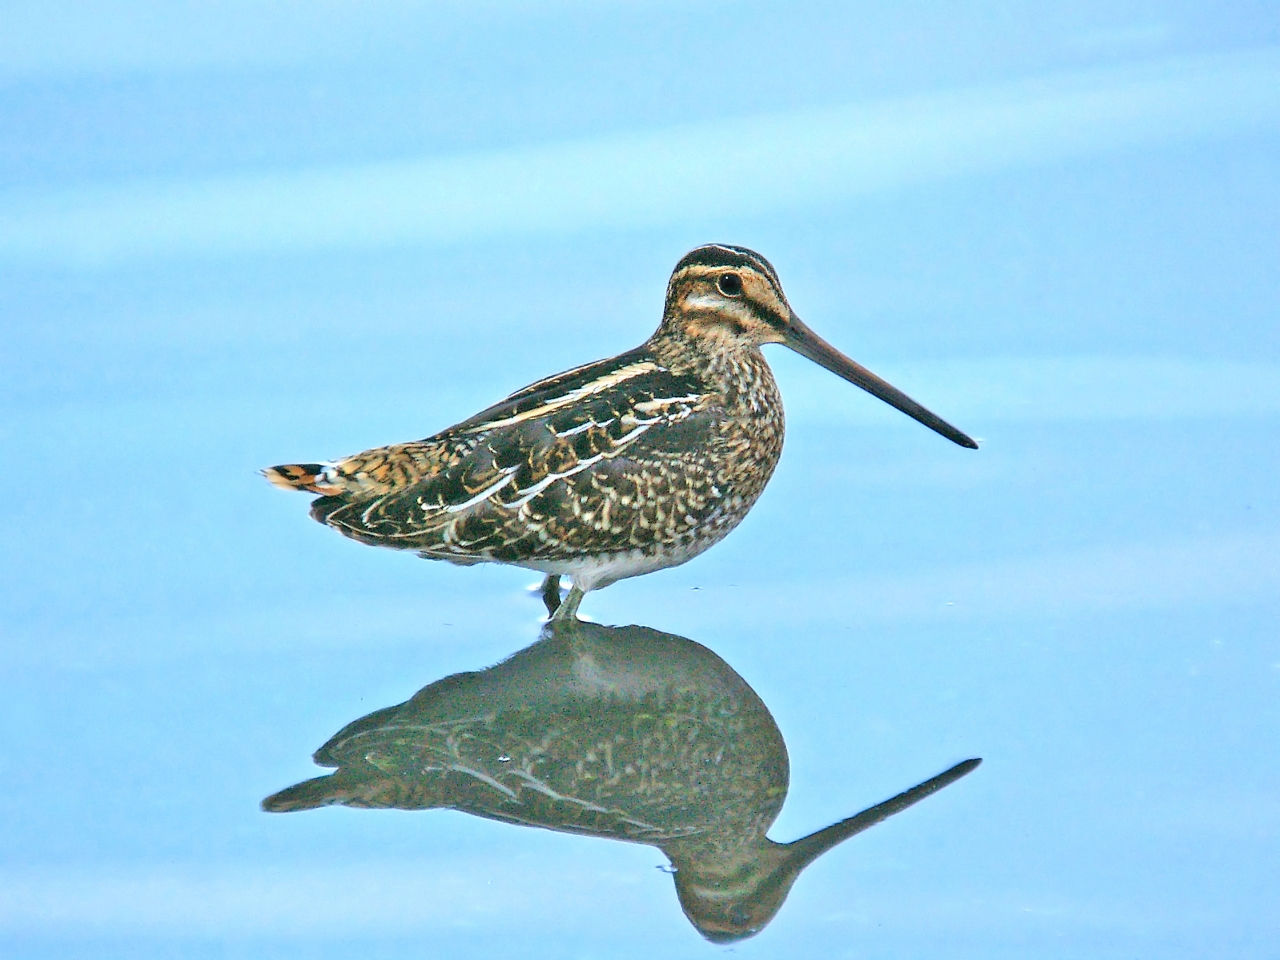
<point>235,240</point>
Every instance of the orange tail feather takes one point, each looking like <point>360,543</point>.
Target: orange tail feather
<point>300,476</point>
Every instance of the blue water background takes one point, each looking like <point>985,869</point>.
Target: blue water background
<point>238,234</point>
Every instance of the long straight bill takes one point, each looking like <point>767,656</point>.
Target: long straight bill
<point>807,849</point>
<point>808,344</point>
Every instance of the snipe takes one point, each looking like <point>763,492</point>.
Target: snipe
<point>612,469</point>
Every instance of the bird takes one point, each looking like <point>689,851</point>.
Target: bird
<point>621,733</point>
<point>612,469</point>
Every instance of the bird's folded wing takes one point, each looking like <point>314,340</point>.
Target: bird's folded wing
<point>489,466</point>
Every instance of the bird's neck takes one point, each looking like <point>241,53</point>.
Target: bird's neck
<point>734,368</point>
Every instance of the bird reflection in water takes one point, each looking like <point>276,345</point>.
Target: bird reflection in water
<point>619,732</point>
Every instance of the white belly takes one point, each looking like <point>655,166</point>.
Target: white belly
<point>589,573</point>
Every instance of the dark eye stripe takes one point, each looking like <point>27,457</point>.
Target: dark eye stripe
<point>776,319</point>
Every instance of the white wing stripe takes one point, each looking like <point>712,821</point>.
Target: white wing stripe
<point>658,403</point>
<point>484,494</point>
<point>537,488</point>
<point>524,496</point>
<point>583,426</point>
<point>550,478</point>
<point>598,385</point>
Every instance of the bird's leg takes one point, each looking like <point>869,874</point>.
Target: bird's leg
<point>568,610</point>
<point>551,593</point>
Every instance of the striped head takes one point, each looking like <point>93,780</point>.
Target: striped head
<point>728,295</point>
<point>725,298</point>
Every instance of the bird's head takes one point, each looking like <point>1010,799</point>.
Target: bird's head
<point>726,298</point>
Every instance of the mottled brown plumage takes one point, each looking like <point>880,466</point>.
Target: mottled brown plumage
<point>609,470</point>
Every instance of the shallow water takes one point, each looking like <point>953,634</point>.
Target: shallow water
<point>1070,256</point>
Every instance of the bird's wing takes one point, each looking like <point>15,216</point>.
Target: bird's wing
<point>565,389</point>
<point>478,474</point>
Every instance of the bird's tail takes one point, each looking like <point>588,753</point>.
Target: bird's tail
<point>321,478</point>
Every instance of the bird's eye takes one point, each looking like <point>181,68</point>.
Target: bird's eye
<point>730,284</point>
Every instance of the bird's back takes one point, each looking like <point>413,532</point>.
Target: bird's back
<point>626,455</point>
